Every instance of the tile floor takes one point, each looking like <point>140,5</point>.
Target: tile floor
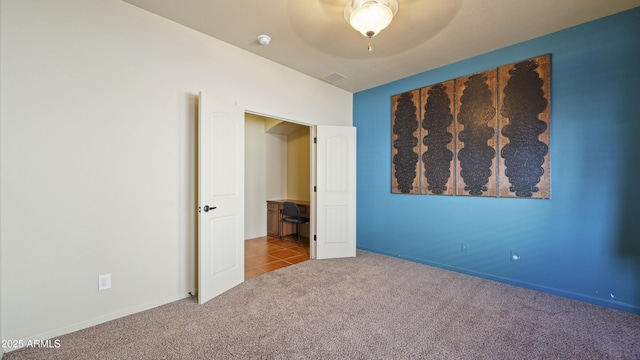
<point>268,253</point>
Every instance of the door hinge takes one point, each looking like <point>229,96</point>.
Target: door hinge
<point>314,238</point>
<point>315,140</point>
<point>315,188</point>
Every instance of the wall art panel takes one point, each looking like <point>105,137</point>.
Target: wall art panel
<point>477,129</point>
<point>485,134</point>
<point>405,148</point>
<point>438,139</point>
<point>524,129</point>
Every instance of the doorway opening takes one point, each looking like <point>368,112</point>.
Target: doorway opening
<point>221,193</point>
<point>277,168</point>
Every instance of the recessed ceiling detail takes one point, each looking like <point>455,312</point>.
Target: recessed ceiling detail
<point>314,38</point>
<point>321,25</point>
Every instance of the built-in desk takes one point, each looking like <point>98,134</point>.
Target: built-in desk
<point>274,216</point>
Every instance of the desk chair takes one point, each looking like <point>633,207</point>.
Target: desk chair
<point>291,214</point>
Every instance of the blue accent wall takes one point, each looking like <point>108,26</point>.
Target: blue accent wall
<point>583,243</point>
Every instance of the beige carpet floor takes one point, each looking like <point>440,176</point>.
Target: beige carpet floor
<point>368,307</point>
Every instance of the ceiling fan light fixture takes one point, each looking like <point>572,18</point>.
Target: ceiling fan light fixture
<point>369,17</point>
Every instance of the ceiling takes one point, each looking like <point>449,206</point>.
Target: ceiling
<point>312,36</point>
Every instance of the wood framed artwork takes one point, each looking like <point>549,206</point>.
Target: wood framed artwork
<point>524,90</point>
<point>476,130</point>
<point>438,147</point>
<point>405,142</point>
<point>486,134</point>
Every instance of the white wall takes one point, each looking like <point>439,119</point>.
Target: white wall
<point>97,143</point>
<point>265,174</point>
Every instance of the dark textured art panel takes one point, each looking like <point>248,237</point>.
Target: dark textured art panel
<point>524,129</point>
<point>477,126</point>
<point>438,141</point>
<point>406,142</point>
<point>485,134</point>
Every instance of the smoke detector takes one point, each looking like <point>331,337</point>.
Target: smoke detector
<point>264,39</point>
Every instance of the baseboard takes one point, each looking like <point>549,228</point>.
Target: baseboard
<point>100,319</point>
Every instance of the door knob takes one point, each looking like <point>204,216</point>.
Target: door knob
<point>207,208</point>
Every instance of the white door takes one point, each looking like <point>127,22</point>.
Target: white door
<point>336,192</point>
<point>220,196</point>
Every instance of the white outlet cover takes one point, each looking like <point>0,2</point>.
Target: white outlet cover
<point>104,282</point>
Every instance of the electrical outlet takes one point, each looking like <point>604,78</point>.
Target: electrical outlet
<point>104,282</point>
<point>463,247</point>
<point>514,256</point>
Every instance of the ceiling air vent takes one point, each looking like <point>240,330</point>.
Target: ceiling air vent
<point>334,77</point>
